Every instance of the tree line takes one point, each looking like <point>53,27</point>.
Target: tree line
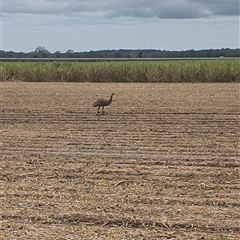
<point>42,52</point>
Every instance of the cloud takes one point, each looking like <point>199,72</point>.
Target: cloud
<point>169,9</point>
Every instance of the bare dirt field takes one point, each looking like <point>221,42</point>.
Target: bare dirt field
<point>162,163</point>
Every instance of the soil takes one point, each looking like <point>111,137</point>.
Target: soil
<point>161,163</point>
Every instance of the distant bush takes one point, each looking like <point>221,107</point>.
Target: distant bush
<point>145,71</point>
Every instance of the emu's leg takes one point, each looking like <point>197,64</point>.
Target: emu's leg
<point>98,110</point>
<point>102,110</point>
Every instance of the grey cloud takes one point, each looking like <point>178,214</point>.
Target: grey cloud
<point>175,9</point>
<point>221,7</point>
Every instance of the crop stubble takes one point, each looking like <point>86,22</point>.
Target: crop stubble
<point>162,163</point>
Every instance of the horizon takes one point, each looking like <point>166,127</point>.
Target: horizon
<point>100,50</point>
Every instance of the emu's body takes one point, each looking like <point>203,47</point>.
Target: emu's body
<point>101,102</point>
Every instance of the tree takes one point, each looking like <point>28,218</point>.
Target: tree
<point>57,54</point>
<point>41,52</point>
<point>69,53</point>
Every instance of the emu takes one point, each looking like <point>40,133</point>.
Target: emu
<point>101,102</point>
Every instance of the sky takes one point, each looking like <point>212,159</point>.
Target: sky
<point>85,25</point>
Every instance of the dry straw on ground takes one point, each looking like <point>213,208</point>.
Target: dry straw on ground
<point>162,163</point>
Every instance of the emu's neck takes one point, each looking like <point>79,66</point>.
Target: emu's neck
<point>110,100</point>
